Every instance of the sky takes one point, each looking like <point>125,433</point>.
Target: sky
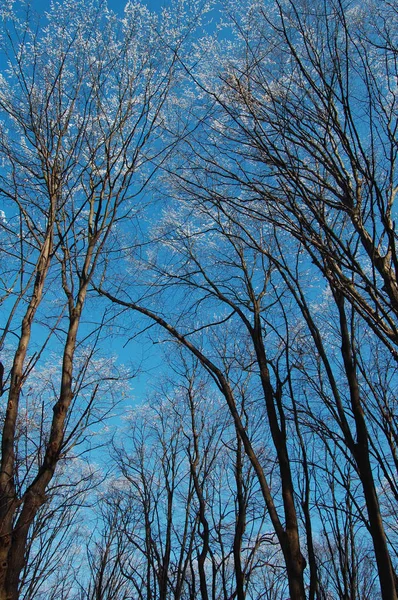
<point>116,5</point>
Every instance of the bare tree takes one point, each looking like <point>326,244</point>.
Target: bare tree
<point>273,264</point>
<point>81,100</point>
<point>236,288</point>
<point>181,508</point>
<point>284,191</point>
<point>300,135</point>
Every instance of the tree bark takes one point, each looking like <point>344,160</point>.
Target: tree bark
<point>360,451</point>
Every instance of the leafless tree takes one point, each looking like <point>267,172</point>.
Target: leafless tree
<point>81,100</point>
<point>237,289</point>
<point>272,264</point>
<point>181,509</point>
<point>284,194</point>
<point>302,137</point>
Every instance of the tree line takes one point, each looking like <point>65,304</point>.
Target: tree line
<point>218,179</point>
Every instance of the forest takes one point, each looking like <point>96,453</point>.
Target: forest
<point>199,300</point>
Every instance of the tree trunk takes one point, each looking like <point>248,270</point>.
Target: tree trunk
<point>360,451</point>
<point>240,523</point>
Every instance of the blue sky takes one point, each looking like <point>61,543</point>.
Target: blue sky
<point>116,5</point>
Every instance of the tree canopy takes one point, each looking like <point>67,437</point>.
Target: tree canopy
<point>216,180</point>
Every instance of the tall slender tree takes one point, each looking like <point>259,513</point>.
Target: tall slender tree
<point>81,96</point>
